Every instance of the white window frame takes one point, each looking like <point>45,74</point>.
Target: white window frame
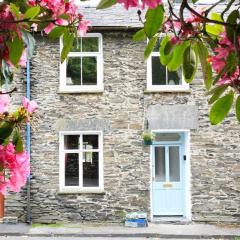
<point>63,88</point>
<point>62,151</point>
<point>184,87</point>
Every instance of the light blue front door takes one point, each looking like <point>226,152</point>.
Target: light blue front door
<point>168,179</point>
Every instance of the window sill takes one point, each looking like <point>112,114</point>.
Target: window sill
<point>77,90</point>
<point>168,90</point>
<point>81,191</point>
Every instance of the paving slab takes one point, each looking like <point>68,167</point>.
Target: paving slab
<point>167,231</point>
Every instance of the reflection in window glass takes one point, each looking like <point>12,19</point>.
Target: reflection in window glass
<point>160,172</point>
<point>89,70</point>
<point>174,164</point>
<point>71,169</point>
<point>91,169</point>
<point>85,44</point>
<point>158,72</point>
<point>71,142</point>
<point>90,142</point>
<point>74,71</point>
<point>174,78</point>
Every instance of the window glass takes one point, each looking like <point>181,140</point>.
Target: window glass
<point>71,169</point>
<point>90,169</point>
<point>81,160</point>
<point>71,142</point>
<point>74,71</point>
<point>167,137</point>
<point>174,164</point>
<point>158,72</point>
<point>174,78</point>
<point>85,44</point>
<point>89,71</point>
<point>160,171</point>
<point>90,142</point>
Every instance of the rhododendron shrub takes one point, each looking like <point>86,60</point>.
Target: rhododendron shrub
<point>14,160</point>
<point>191,35</point>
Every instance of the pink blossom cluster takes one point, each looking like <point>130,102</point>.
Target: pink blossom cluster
<point>29,106</point>
<point>219,59</point>
<point>189,29</point>
<point>57,12</point>
<point>135,3</point>
<point>14,168</point>
<point>59,8</point>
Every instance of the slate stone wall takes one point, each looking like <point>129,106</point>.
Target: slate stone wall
<point>121,112</point>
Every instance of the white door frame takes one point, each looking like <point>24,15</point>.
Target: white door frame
<point>187,175</point>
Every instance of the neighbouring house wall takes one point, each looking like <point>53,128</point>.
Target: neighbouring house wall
<point>120,112</point>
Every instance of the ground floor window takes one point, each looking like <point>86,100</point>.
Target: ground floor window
<point>81,161</point>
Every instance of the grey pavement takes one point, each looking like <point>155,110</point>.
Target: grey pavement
<point>105,231</point>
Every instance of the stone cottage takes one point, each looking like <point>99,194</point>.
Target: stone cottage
<point>88,160</point>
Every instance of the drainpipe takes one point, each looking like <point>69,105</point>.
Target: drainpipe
<point>28,148</point>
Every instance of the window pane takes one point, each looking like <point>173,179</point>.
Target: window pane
<point>71,169</point>
<point>167,137</point>
<point>158,72</point>
<point>157,45</point>
<point>74,71</point>
<point>89,44</point>
<point>89,71</point>
<point>160,164</point>
<point>174,78</point>
<point>174,164</point>
<point>90,142</point>
<point>90,169</point>
<point>71,142</point>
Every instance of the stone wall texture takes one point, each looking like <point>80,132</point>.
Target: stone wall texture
<point>121,113</point>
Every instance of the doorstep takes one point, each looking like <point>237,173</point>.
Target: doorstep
<point>170,220</point>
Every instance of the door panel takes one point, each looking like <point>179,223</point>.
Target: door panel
<point>167,183</point>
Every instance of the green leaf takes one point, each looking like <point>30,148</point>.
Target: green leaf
<point>150,47</point>
<point>139,36</point>
<point>106,4</point>
<point>194,1</point>
<point>68,39</point>
<point>238,108</point>
<point>165,58</point>
<point>218,91</point>
<point>206,67</point>
<point>177,56</point>
<point>57,32</point>
<point>31,12</point>
<point>154,19</point>
<point>232,19</point>
<point>17,141</point>
<point>215,29</point>
<point>15,10</point>
<point>221,108</point>
<point>6,129</point>
<point>168,48</point>
<point>6,73</point>
<point>15,49</point>
<point>29,40</point>
<point>189,64</point>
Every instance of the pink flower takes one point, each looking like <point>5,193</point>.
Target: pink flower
<point>30,106</point>
<point>49,28</point>
<point>4,102</point>
<point>82,28</point>
<point>129,3</point>
<point>151,3</point>
<point>61,22</point>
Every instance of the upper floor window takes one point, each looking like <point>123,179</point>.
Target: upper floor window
<point>82,71</point>
<point>159,78</point>
<point>81,161</point>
